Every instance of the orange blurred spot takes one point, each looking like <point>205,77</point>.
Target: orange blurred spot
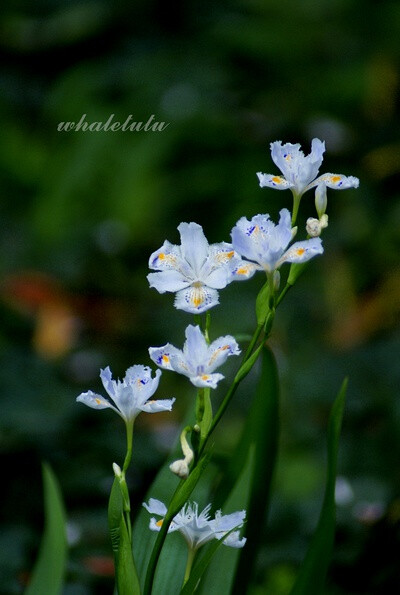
<point>100,565</point>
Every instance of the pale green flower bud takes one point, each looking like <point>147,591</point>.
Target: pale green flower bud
<point>117,471</point>
<point>321,200</point>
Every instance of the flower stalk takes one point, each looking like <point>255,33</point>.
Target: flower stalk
<point>189,563</point>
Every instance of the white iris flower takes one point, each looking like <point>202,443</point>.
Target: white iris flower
<point>300,171</point>
<point>129,397</point>
<point>195,270</point>
<point>197,360</point>
<point>197,528</point>
<point>265,243</point>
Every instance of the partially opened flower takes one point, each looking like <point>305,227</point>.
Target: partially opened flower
<point>195,270</point>
<point>130,396</point>
<point>265,243</point>
<point>197,528</point>
<point>197,360</point>
<point>300,171</point>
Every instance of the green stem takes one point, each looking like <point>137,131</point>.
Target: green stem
<point>296,204</point>
<point>253,341</point>
<point>189,564</point>
<point>242,372</point>
<point>270,277</point>
<point>283,293</point>
<point>129,441</point>
<point>200,406</point>
<point>123,484</point>
<point>207,327</point>
<point>198,320</point>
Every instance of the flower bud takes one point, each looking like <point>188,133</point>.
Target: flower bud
<point>324,221</point>
<point>313,227</point>
<point>321,199</point>
<point>180,468</point>
<point>117,470</point>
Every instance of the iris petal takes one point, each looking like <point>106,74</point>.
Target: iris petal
<point>170,281</point>
<point>206,380</point>
<point>271,181</point>
<point>94,401</point>
<point>336,181</point>
<point>196,300</point>
<point>162,355</point>
<point>194,245</point>
<point>302,251</point>
<point>220,350</point>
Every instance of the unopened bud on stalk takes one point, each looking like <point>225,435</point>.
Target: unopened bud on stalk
<point>181,466</point>
<point>314,226</point>
<point>294,232</point>
<point>321,199</point>
<point>117,470</point>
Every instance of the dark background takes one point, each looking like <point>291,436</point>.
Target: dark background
<point>82,211</point>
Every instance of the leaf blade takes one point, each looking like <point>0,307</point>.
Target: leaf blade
<point>311,578</point>
<point>263,432</point>
<point>48,573</point>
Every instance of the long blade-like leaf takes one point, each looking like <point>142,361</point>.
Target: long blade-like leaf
<point>126,576</point>
<point>171,565</point>
<point>311,578</point>
<point>181,495</point>
<point>221,572</point>
<point>201,566</point>
<point>115,511</point>
<point>49,570</point>
<point>263,431</point>
<point>127,579</point>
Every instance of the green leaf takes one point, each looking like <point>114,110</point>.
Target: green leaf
<point>311,578</point>
<point>221,572</point>
<point>143,539</point>
<point>201,565</point>
<point>49,570</point>
<point>125,572</point>
<point>115,511</point>
<point>262,432</point>
<point>126,575</point>
<point>296,269</point>
<point>248,364</point>
<point>262,303</point>
<point>171,565</point>
<point>181,495</point>
<point>207,415</point>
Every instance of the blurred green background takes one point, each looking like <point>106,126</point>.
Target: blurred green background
<point>82,211</point>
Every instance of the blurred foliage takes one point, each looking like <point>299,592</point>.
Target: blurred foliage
<point>82,211</point>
